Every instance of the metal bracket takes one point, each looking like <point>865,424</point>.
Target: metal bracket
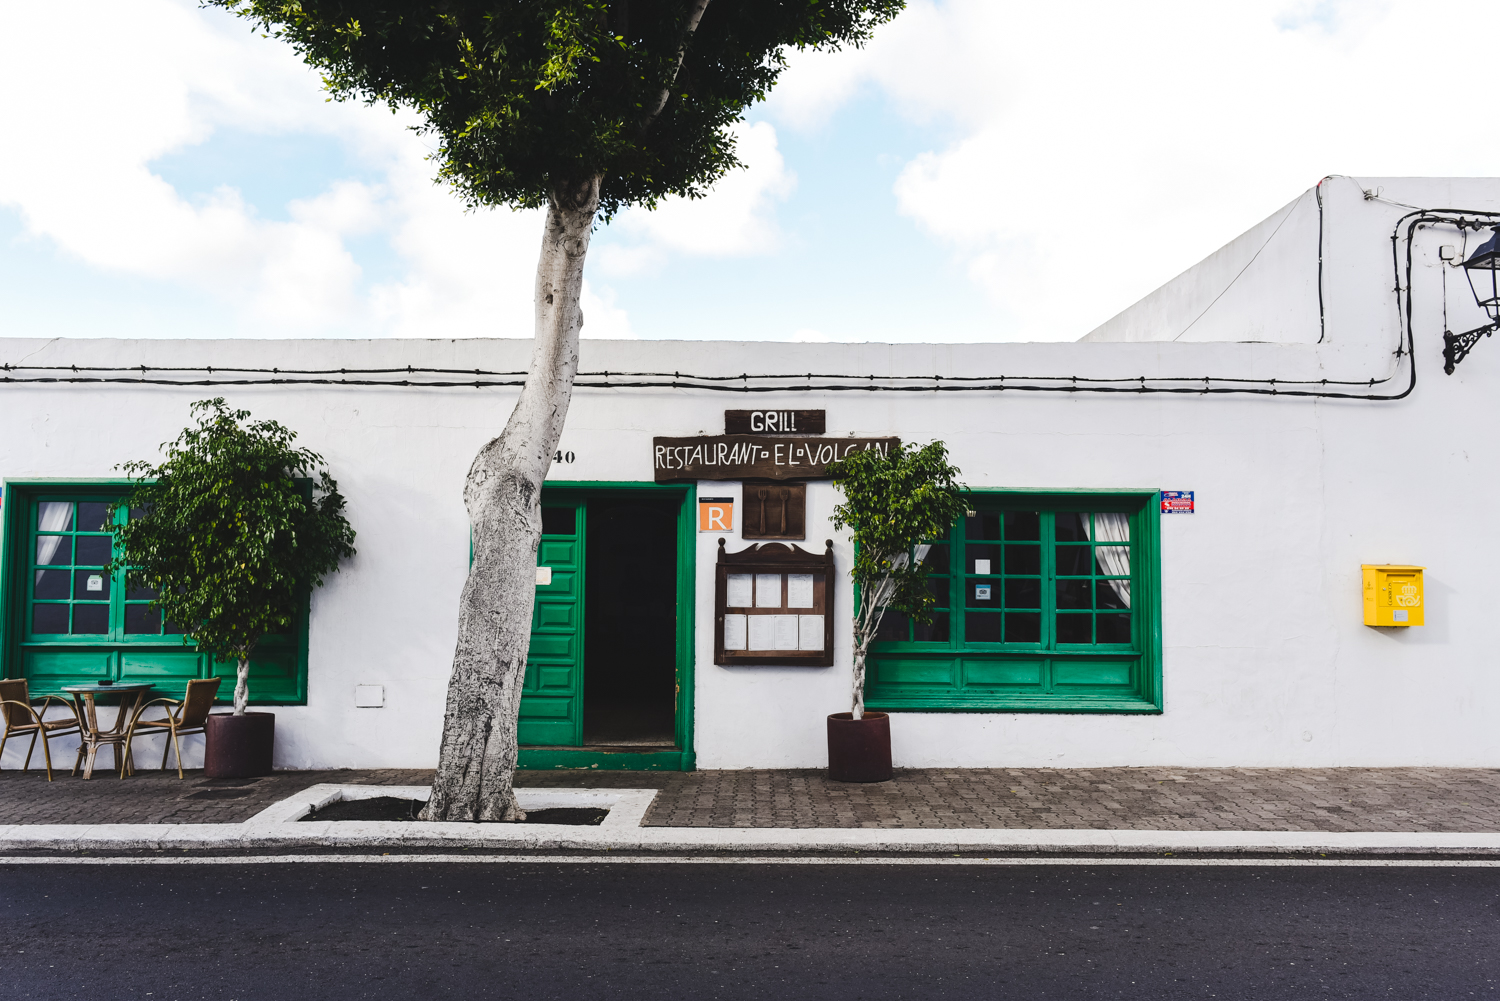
<point>1456,347</point>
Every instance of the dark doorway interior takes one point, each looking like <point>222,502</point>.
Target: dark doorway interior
<point>630,625</point>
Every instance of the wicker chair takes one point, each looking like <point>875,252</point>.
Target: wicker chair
<point>191,717</point>
<point>21,717</point>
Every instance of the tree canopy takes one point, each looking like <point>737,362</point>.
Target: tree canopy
<point>529,98</point>
<point>224,534</point>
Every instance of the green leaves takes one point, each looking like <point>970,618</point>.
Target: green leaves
<point>225,533</point>
<point>893,503</point>
<point>528,97</point>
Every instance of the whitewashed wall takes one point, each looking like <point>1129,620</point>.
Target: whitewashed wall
<point>1266,659</point>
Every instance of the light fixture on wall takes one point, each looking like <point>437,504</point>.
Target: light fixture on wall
<point>1483,271</point>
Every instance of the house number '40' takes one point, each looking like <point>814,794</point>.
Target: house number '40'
<point>563,457</point>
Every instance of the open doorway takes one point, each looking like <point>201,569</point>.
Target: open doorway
<point>630,656</point>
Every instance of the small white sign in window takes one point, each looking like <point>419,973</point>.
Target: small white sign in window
<point>95,582</point>
<point>981,592</point>
<point>543,576</point>
<point>981,566</point>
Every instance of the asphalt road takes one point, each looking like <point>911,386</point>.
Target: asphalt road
<point>542,931</point>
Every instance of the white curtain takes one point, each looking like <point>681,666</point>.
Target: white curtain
<point>55,517</point>
<point>1111,526</point>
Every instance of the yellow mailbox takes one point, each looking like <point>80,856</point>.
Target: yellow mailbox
<point>1393,595</point>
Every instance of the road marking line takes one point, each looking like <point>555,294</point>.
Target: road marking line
<point>1093,860</point>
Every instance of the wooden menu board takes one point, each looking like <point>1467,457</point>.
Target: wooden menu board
<point>773,604</point>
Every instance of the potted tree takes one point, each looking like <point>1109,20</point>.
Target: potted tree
<point>893,503</point>
<point>228,536</point>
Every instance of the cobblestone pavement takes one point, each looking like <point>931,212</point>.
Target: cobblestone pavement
<point>1176,799</point>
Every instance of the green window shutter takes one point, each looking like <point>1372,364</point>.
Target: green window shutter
<point>1048,603</point>
<point>66,622</point>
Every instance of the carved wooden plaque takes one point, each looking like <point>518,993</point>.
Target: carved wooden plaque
<point>774,510</point>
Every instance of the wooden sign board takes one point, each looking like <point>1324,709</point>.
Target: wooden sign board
<point>773,605</point>
<point>753,457</point>
<point>775,421</point>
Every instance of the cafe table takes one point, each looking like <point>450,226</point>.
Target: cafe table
<point>92,738</point>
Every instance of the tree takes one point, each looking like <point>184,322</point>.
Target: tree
<point>894,504</point>
<point>584,107</point>
<point>224,535</point>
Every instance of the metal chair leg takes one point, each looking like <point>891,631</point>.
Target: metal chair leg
<point>31,749</point>
<point>4,736</point>
<point>179,752</point>
<point>46,756</point>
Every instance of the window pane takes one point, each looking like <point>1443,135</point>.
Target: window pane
<point>984,525</point>
<point>1114,629</point>
<point>1023,594</point>
<point>981,628</point>
<point>1073,560</point>
<point>1105,595</point>
<point>93,550</point>
<point>1025,627</point>
<point>934,632</point>
<point>936,560</point>
<point>142,620</point>
<point>893,626</point>
<point>1075,628</point>
<point>1071,527</point>
<point>90,620</point>
<point>173,629</point>
<point>51,585</point>
<point>982,559</point>
<point>54,550</point>
<point>142,593</point>
<point>49,618</point>
<point>1023,559</point>
<point>559,521</point>
<point>1023,526</point>
<point>1074,594</point>
<point>90,585</point>
<point>1112,561</point>
<point>939,588</point>
<point>54,516</point>
<point>982,594</point>
<point>93,517</point>
<point>1111,526</point>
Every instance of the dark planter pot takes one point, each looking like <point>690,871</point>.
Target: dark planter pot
<point>859,750</point>
<point>238,747</point>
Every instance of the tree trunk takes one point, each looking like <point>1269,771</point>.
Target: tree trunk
<point>477,762</point>
<point>242,686</point>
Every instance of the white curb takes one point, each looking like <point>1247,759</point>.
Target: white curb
<point>278,827</point>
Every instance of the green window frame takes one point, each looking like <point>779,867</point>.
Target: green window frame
<point>64,621</point>
<point>1047,602</point>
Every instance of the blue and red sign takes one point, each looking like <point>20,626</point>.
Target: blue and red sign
<point>1176,502</point>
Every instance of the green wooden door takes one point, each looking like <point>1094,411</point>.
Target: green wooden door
<point>552,696</point>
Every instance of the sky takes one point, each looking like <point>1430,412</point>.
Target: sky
<point>984,170</point>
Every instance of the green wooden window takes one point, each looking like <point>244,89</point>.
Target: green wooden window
<point>1046,602</point>
<point>67,621</point>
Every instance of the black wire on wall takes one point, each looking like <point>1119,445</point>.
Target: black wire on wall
<point>814,382</point>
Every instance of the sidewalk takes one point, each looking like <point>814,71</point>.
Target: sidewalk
<point>1334,800</point>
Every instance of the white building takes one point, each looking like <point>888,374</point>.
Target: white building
<point>1280,380</point>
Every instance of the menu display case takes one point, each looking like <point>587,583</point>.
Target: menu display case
<point>773,605</point>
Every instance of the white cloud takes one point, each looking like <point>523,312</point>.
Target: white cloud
<point>734,220</point>
<point>1149,134</point>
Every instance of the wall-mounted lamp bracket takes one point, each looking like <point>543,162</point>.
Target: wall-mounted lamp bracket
<point>1456,347</point>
